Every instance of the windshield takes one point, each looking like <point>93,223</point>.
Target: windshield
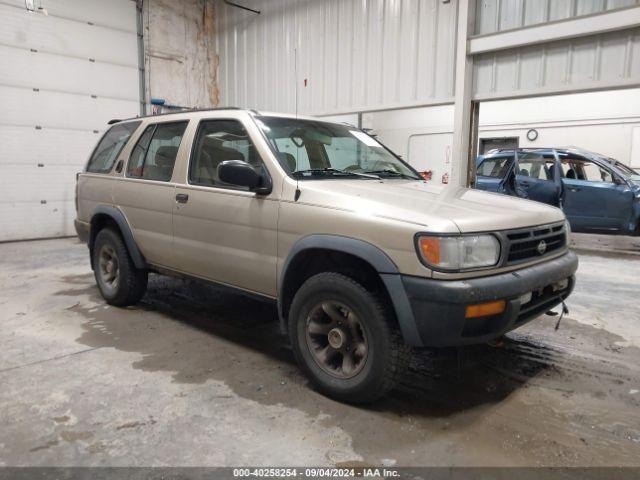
<point>310,149</point>
<point>627,171</point>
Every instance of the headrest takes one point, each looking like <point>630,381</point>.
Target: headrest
<point>166,156</point>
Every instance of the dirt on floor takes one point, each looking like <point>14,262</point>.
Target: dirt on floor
<point>196,375</point>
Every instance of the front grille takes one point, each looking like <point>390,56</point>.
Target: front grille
<point>533,243</point>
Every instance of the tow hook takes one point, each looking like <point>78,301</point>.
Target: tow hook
<point>564,311</point>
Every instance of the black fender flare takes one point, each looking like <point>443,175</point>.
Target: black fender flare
<point>118,217</point>
<point>374,256</point>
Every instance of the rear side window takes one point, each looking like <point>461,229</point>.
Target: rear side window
<point>110,146</point>
<point>494,167</point>
<point>155,154</point>
<point>534,165</point>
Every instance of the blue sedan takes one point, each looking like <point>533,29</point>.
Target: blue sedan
<point>598,194</point>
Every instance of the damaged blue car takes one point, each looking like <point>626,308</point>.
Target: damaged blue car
<point>598,194</point>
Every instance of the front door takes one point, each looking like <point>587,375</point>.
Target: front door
<point>224,233</point>
<point>537,178</point>
<point>594,199</point>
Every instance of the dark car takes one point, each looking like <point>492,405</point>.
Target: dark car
<point>597,194</point>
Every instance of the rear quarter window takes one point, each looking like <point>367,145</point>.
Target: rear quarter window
<point>110,146</point>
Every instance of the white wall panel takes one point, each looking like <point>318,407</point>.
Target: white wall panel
<point>598,62</point>
<point>49,183</point>
<point>21,106</point>
<point>23,68</point>
<point>116,14</point>
<point>30,220</point>
<point>47,146</point>
<point>67,37</point>
<point>355,55</point>
<point>62,77</point>
<point>499,15</point>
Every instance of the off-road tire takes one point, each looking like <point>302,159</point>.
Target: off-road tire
<point>387,357</point>
<point>131,281</point>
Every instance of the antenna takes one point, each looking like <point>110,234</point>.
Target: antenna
<point>296,196</point>
<point>295,77</point>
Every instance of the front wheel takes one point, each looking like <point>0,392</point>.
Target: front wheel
<point>120,282</point>
<point>345,339</point>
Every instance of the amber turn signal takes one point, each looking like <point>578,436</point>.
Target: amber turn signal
<point>430,249</point>
<point>485,309</point>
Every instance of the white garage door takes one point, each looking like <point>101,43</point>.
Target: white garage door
<point>65,70</point>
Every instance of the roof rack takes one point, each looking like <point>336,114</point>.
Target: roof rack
<point>185,110</point>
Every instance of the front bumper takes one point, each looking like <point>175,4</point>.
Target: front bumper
<point>438,306</point>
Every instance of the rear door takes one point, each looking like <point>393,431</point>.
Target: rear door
<point>145,194</point>
<point>536,177</point>
<point>595,198</point>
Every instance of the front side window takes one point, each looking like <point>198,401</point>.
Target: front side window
<point>315,149</point>
<point>110,146</point>
<point>218,141</point>
<point>495,167</point>
<point>155,153</point>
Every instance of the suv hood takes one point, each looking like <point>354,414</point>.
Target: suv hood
<point>438,208</point>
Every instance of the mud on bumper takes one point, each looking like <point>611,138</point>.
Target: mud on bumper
<point>438,307</point>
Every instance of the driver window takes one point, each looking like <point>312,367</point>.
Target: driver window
<point>216,142</point>
<point>594,173</point>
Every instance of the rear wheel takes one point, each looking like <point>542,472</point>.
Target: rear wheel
<point>120,282</point>
<point>345,339</point>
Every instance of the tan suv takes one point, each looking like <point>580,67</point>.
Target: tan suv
<point>364,258</point>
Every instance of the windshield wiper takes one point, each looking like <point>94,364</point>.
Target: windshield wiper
<point>334,170</point>
<point>393,173</point>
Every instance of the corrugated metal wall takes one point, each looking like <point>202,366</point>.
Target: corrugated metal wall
<point>352,55</point>
<point>606,60</point>
<point>498,15</point>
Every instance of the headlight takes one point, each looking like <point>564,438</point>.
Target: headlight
<point>567,231</point>
<point>459,252</point>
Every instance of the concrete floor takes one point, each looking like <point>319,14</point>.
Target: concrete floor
<point>196,376</point>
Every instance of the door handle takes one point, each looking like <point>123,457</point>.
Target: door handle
<point>574,189</point>
<point>182,198</point>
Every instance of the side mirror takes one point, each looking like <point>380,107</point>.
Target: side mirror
<point>239,172</point>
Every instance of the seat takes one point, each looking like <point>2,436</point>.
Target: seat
<point>571,173</point>
<point>211,155</point>
<point>162,168</point>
